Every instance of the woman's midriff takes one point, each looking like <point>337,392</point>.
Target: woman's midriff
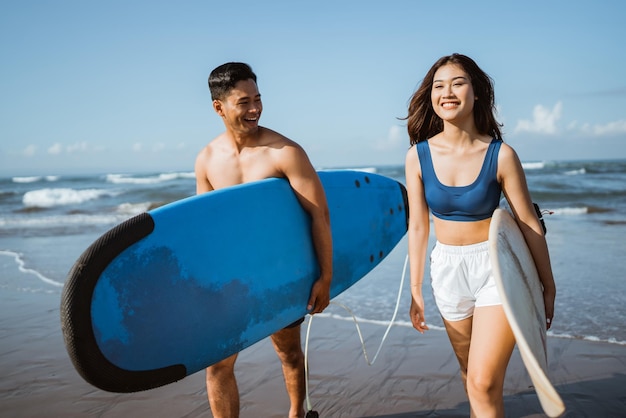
<point>461,233</point>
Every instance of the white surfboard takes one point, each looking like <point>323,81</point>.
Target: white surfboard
<point>522,299</point>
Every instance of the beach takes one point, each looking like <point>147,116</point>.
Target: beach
<point>46,223</point>
<point>414,375</point>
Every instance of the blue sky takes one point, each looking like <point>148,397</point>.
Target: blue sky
<point>120,86</point>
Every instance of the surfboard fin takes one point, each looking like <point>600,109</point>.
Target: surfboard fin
<point>540,216</point>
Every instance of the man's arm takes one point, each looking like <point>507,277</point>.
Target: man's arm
<point>308,188</point>
<point>202,181</point>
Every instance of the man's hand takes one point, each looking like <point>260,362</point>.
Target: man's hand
<point>320,296</point>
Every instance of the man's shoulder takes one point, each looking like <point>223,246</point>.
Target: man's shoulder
<point>209,151</point>
<point>268,134</point>
<point>272,138</point>
<point>213,143</point>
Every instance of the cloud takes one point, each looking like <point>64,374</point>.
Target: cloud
<point>160,146</point>
<point>77,147</point>
<point>544,120</point>
<point>55,149</point>
<point>30,150</point>
<point>156,147</point>
<point>395,138</point>
<point>612,128</point>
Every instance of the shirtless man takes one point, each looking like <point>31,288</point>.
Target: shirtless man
<point>248,152</point>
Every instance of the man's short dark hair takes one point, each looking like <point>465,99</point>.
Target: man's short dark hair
<point>223,78</point>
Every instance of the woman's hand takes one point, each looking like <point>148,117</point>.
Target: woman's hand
<point>549,294</point>
<point>417,314</point>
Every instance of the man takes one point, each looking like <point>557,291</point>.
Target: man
<point>247,152</point>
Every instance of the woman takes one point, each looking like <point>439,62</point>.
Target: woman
<point>457,168</point>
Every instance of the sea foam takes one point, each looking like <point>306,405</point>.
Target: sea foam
<point>22,267</point>
<point>33,179</point>
<point>536,165</point>
<point>47,198</point>
<point>160,178</point>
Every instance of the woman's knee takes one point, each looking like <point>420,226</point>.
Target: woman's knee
<point>483,386</point>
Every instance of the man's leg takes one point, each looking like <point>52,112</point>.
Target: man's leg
<point>221,387</point>
<point>288,347</point>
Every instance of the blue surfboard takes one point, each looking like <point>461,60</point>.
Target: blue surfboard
<point>176,289</point>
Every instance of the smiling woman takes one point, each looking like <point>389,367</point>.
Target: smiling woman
<point>457,168</point>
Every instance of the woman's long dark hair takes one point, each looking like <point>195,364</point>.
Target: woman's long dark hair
<point>423,122</point>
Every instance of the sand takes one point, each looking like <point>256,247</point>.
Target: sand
<point>414,376</point>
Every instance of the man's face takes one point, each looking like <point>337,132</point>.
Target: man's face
<point>242,108</point>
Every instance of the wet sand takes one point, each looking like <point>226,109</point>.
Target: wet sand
<point>414,376</point>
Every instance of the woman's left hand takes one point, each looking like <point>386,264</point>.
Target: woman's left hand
<point>549,294</point>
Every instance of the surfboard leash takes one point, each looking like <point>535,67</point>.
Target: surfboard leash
<point>314,414</point>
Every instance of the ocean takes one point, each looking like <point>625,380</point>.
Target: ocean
<point>46,222</point>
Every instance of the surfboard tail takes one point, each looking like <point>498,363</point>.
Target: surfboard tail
<point>520,289</point>
<point>76,323</point>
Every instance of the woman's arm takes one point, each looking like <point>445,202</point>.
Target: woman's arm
<point>515,188</point>
<point>419,229</point>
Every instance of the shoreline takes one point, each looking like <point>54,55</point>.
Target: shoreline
<point>414,376</point>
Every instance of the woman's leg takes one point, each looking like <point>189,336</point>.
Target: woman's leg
<point>492,344</point>
<point>459,333</point>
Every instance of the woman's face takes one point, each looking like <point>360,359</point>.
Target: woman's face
<point>452,95</point>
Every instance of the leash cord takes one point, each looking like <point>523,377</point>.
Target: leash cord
<point>358,329</point>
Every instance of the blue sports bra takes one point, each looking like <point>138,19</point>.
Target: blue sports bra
<point>474,202</point>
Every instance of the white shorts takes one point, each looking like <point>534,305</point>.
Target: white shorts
<point>461,278</point>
